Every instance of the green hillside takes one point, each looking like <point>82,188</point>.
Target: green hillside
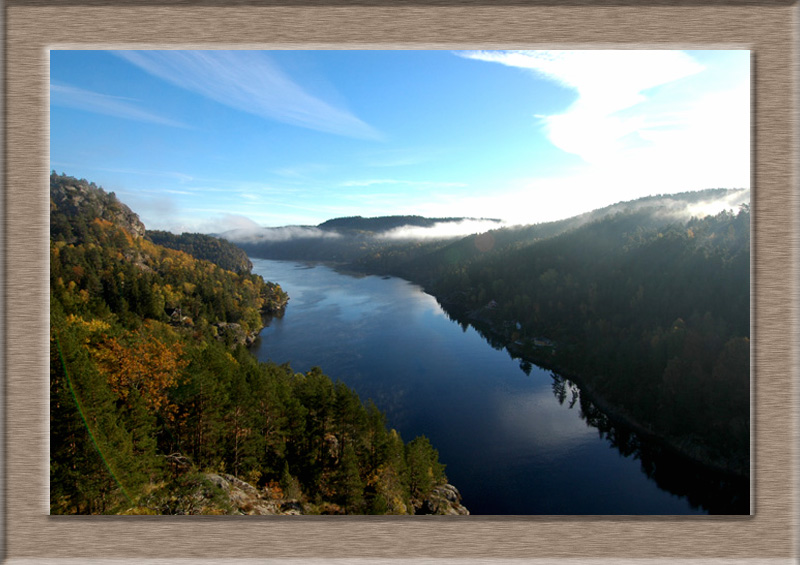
<point>155,405</point>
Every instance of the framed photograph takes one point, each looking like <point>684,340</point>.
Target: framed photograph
<point>376,169</point>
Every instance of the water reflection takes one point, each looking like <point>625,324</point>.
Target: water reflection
<point>716,492</point>
<point>704,488</point>
<point>516,439</point>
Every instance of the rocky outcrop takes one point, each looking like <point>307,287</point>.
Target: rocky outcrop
<point>214,494</point>
<point>244,498</point>
<point>234,334</point>
<point>445,500</point>
<point>79,197</point>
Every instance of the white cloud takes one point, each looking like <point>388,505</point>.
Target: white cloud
<point>607,82</point>
<point>117,106</point>
<point>251,82</point>
<point>637,127</point>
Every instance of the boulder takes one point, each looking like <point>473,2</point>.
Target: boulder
<point>444,500</point>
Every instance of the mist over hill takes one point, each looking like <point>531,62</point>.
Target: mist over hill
<point>411,244</point>
<point>350,238</point>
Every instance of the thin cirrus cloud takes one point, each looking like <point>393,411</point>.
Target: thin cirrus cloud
<point>608,82</point>
<point>251,82</point>
<point>117,106</point>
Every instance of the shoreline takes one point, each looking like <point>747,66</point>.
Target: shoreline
<point>697,453</point>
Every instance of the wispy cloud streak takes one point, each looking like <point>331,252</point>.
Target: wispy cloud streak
<point>117,106</point>
<point>251,82</point>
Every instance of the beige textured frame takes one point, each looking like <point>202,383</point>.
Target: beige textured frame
<point>767,28</point>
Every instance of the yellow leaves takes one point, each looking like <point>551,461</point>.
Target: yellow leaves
<point>90,326</point>
<point>144,362</point>
<point>149,247</point>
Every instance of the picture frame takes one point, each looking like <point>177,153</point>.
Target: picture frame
<point>32,27</point>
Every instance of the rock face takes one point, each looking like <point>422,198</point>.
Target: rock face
<point>244,498</point>
<point>234,334</point>
<point>74,196</point>
<point>218,493</point>
<point>445,500</point>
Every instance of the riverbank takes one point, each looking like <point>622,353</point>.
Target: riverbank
<point>539,351</point>
<point>681,446</point>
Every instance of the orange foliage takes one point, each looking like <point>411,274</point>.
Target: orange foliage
<point>142,361</point>
<point>103,224</point>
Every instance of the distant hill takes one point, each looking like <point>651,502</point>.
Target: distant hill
<point>416,246</point>
<point>426,266</point>
<point>349,239</point>
<point>209,248</point>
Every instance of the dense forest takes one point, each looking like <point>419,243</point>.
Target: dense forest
<point>646,304</point>
<point>219,251</point>
<point>156,407</point>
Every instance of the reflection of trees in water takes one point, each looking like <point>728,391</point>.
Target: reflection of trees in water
<point>560,388</point>
<point>711,490</point>
<point>704,488</point>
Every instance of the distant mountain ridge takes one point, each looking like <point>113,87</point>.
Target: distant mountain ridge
<point>425,265</point>
<point>409,244</point>
<point>350,238</point>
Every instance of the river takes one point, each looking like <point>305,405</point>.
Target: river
<point>513,441</point>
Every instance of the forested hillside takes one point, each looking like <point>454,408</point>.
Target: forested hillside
<point>219,251</point>
<point>156,407</point>
<point>648,312</point>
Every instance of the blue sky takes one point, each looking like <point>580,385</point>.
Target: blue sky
<point>214,140</point>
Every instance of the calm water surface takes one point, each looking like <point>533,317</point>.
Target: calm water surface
<point>509,445</point>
